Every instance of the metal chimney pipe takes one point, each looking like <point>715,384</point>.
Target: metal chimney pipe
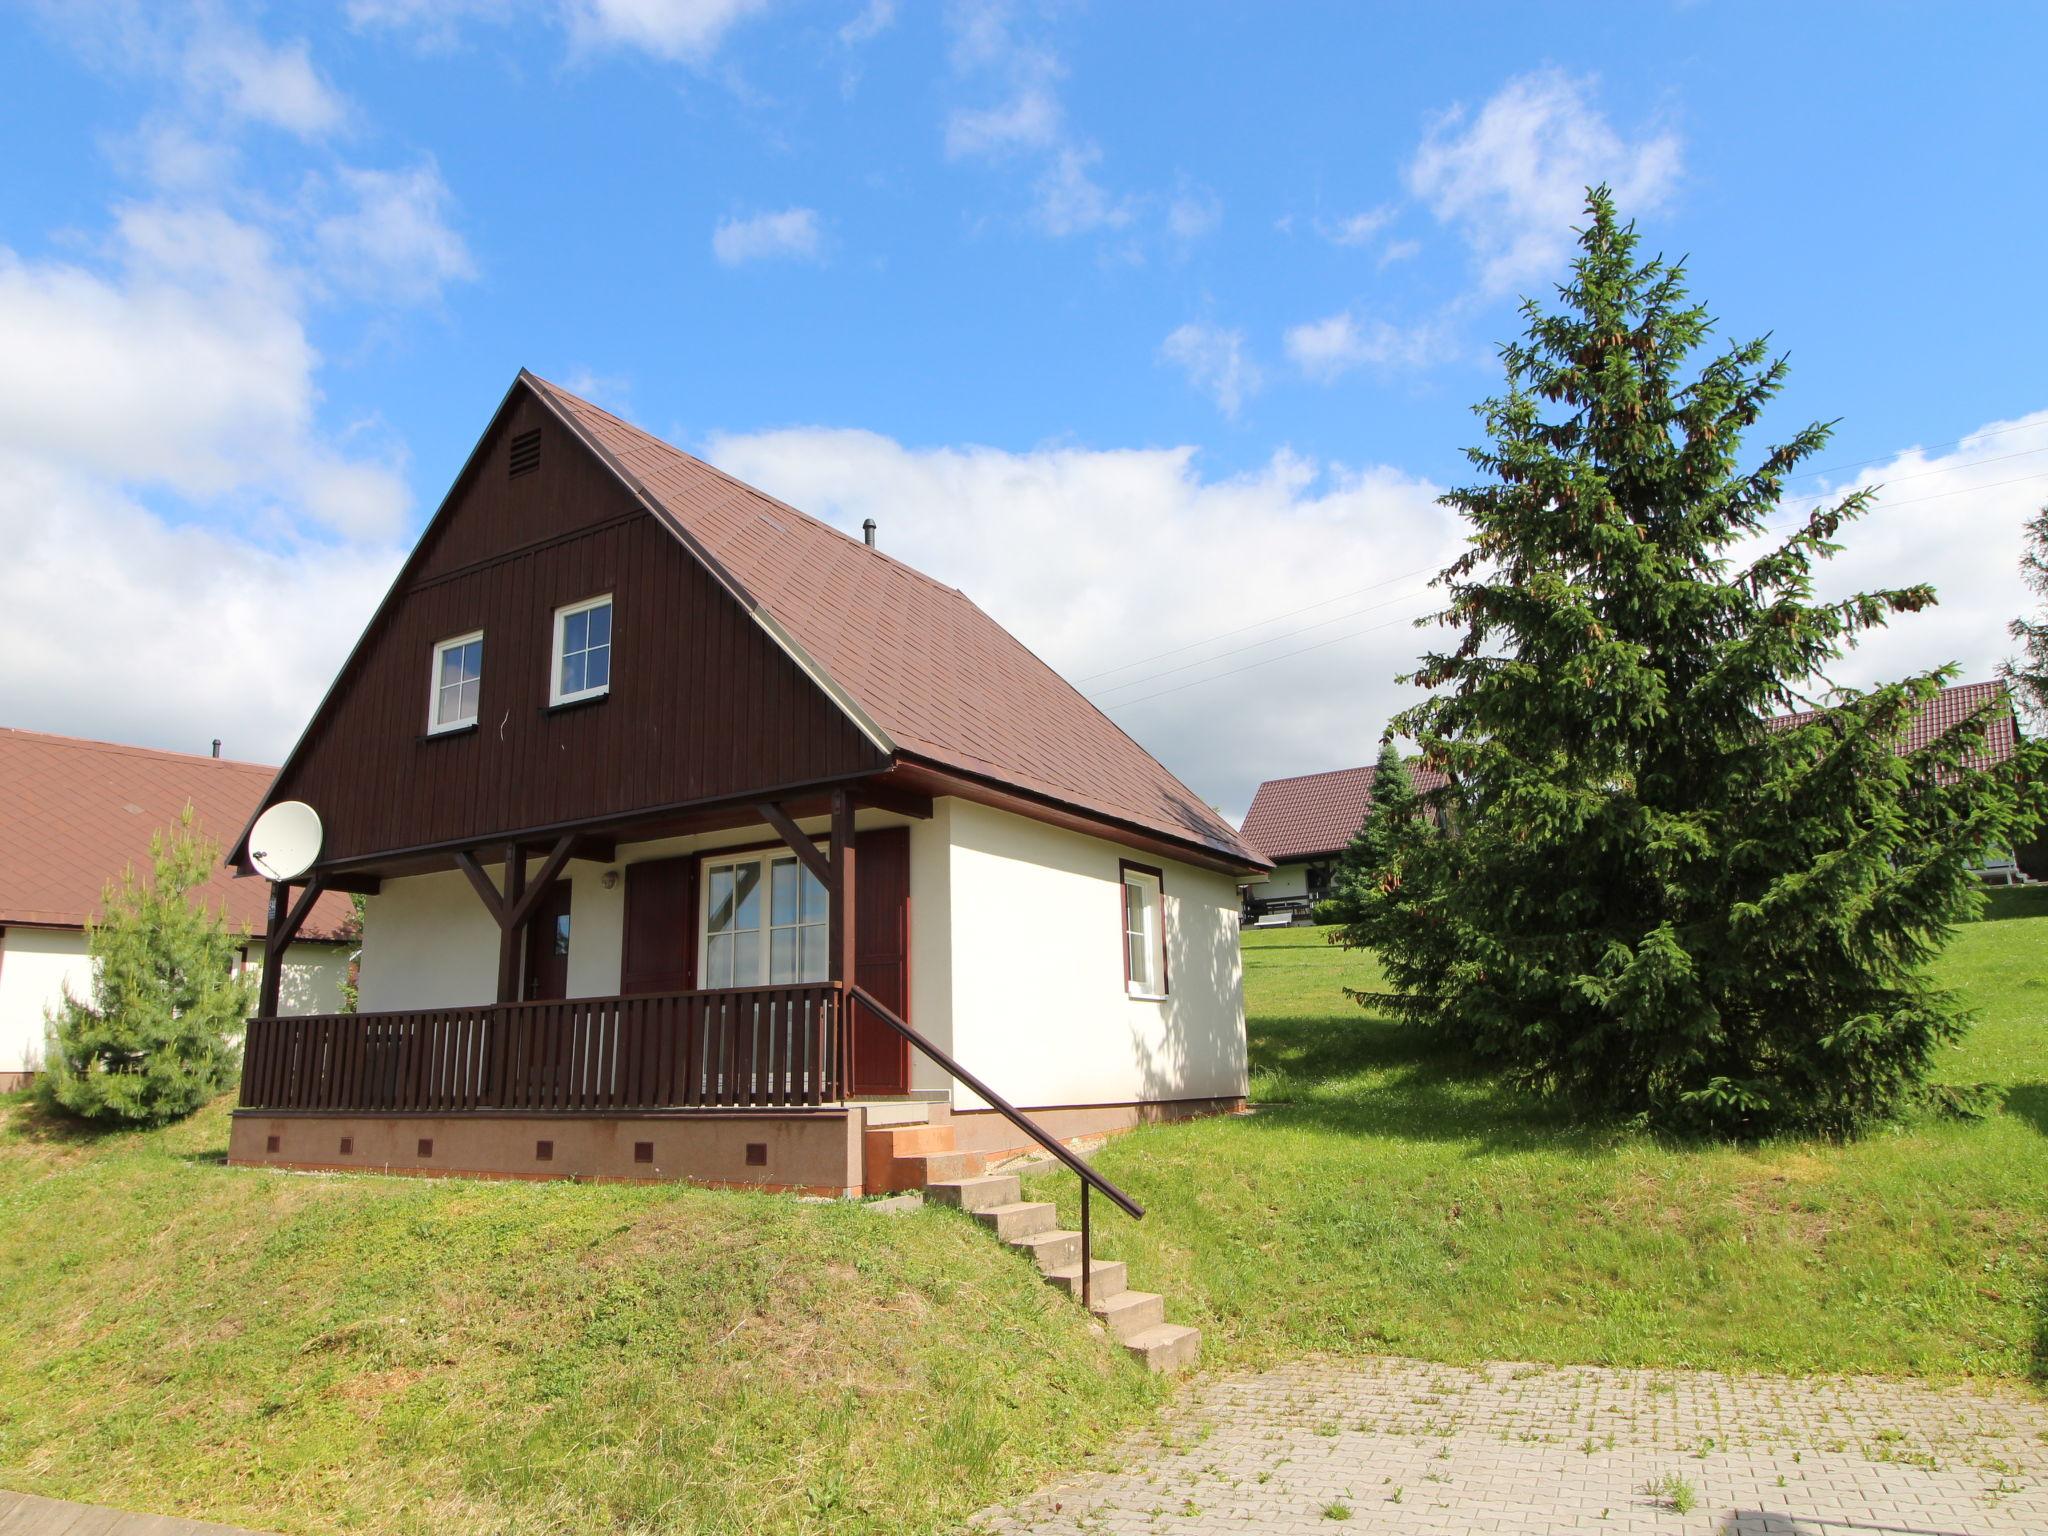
<point>867,532</point>
<point>216,746</point>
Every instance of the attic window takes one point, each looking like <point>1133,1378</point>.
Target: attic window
<point>525,453</point>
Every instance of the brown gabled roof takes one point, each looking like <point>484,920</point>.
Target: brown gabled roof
<point>1942,714</point>
<point>1318,813</point>
<point>74,814</point>
<point>912,659</point>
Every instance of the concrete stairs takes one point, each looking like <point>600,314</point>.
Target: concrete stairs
<point>1136,1319</point>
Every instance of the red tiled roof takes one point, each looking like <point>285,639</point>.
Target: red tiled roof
<point>1318,813</point>
<point>74,814</point>
<point>1942,714</point>
<point>940,678</point>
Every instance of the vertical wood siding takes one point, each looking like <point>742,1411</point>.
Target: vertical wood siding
<point>702,704</point>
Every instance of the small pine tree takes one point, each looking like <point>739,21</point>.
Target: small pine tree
<point>158,1038</point>
<point>2028,672</point>
<point>1656,900</point>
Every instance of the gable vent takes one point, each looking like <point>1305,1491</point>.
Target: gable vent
<point>525,453</point>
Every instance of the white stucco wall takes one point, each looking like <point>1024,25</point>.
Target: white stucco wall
<point>429,943</point>
<point>1286,880</point>
<point>37,964</point>
<point>1016,957</point>
<point>1039,1008</point>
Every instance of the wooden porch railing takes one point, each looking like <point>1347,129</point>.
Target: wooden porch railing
<point>766,1047</point>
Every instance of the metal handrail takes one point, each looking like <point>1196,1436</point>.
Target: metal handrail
<point>1088,1176</point>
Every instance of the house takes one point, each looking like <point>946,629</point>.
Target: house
<point>1303,825</point>
<point>699,839</point>
<point>75,814</point>
<point>1943,713</point>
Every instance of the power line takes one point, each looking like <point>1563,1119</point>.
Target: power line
<point>1775,527</point>
<point>1196,644</point>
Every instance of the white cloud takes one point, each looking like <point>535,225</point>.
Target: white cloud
<point>394,241</point>
<point>1071,201</point>
<point>1357,228</point>
<point>1399,250</point>
<point>1331,347</point>
<point>793,233</point>
<point>1512,178</point>
<point>186,367</point>
<point>869,23</point>
<point>1953,519</point>
<point>682,31</point>
<point>1099,559</point>
<point>1214,360</point>
<point>189,633</point>
<point>1194,212</point>
<point>1030,119</point>
<point>265,83</point>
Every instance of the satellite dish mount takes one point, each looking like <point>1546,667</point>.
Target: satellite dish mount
<point>285,841</point>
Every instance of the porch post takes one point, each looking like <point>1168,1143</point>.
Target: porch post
<point>510,929</point>
<point>286,918</point>
<point>842,930</point>
<point>268,984</point>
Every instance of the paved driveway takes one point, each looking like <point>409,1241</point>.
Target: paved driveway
<point>1404,1446</point>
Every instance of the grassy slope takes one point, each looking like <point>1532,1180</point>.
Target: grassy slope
<point>1383,1200</point>
<point>322,1353</point>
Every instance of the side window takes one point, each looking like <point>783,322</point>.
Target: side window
<point>582,666</point>
<point>1144,932</point>
<point>455,683</point>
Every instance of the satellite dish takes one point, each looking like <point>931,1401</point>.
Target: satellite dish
<point>285,840</point>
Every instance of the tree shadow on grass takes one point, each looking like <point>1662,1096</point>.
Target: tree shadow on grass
<point>30,1120</point>
<point>2010,901</point>
<point>2029,1101</point>
<point>1368,1076</point>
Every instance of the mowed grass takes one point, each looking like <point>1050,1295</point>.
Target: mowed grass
<point>1382,1199</point>
<point>316,1353</point>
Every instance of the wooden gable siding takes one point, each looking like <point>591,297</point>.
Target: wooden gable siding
<point>702,705</point>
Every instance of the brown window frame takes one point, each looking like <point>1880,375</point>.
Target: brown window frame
<point>1124,868</point>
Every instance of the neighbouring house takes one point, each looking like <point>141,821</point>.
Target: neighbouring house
<point>695,833</point>
<point>75,814</point>
<point>1303,825</point>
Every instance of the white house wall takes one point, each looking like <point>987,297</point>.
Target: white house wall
<point>1039,1008</point>
<point>1286,880</point>
<point>38,964</point>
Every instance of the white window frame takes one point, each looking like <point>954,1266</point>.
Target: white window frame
<point>1154,986</point>
<point>767,859</point>
<point>562,617</point>
<point>435,725</point>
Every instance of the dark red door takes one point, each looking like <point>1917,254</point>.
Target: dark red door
<point>547,945</point>
<point>661,926</point>
<point>881,906</point>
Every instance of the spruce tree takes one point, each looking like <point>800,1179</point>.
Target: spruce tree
<point>1369,889</point>
<point>158,1038</point>
<point>1656,901</point>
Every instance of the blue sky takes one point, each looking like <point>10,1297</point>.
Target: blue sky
<point>1143,324</point>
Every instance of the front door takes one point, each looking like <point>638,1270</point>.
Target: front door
<point>547,946</point>
<point>881,903</point>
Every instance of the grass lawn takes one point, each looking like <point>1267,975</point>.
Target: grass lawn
<point>311,1353</point>
<point>1381,1199</point>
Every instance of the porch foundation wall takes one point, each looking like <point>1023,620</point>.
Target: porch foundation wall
<point>817,1152</point>
<point>987,1132</point>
